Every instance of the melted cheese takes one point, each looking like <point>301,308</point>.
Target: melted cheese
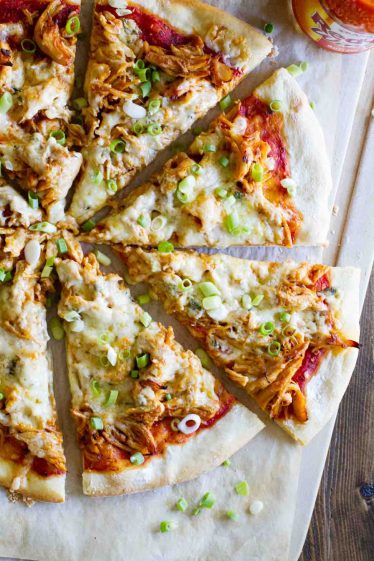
<point>15,211</point>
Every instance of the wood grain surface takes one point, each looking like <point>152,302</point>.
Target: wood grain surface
<point>342,526</point>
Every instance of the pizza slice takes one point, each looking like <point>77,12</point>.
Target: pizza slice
<point>286,332</point>
<point>37,50</point>
<point>31,457</point>
<point>258,176</point>
<point>147,413</point>
<point>155,67</point>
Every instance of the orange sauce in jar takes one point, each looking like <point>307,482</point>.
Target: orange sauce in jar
<point>344,26</point>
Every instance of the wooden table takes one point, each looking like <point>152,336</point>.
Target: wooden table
<point>342,527</point>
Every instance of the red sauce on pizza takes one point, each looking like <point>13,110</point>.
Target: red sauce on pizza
<point>309,366</point>
<point>45,469</point>
<point>13,11</point>
<point>155,31</point>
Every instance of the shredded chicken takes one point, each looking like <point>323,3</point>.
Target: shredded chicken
<point>49,39</point>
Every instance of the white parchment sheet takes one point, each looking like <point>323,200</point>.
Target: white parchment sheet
<point>127,528</point>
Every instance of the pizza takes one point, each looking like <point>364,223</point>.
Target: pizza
<point>154,68</point>
<point>147,413</point>
<point>37,51</point>
<point>285,332</point>
<point>258,176</point>
<point>32,461</point>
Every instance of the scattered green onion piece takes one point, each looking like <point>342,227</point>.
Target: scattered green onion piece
<point>144,221</point>
<point>304,65</point>
<point>165,247</point>
<point>73,26</point>
<point>257,172</point>
<point>209,148</point>
<point>221,193</point>
<point>312,105</point>
<point>143,299</point>
<point>224,161</point>
<point>1,396</point>
<point>8,276</point>
<point>62,246</point>
<point>232,515</point>
<point>88,225</point>
<point>144,74</point>
<point>207,501</point>
<point>33,200</point>
<point>154,129</point>
<point>154,106</point>
<point>276,105</point>
<point>204,358</point>
<point>79,103</point>
<point>97,177</point>
<point>134,374</point>
<point>242,488</point>
<point>95,388</point>
<point>139,64</point>
<point>155,77</point>
<point>274,348</point>
<point>6,102</point>
<point>117,146</point>
<point>145,88</point>
<point>268,28</point>
<point>111,186</point>
<point>267,328</point>
<point>102,258</point>
<point>138,127</point>
<point>294,70</point>
<point>145,319</point>
<point>246,301</point>
<point>208,288</point>
<point>196,131</point>
<point>124,354</point>
<point>182,504</point>
<point>196,169</point>
<point>212,302</point>
<point>256,301</point>
<point>285,317</point>
<point>158,223</point>
<point>225,102</point>
<point>57,329</point>
<point>46,272</point>
<point>226,463</point>
<point>45,227</point>
<point>232,223</point>
<point>28,46</point>
<point>96,423</point>
<point>50,261</point>
<point>196,511</point>
<point>185,285</point>
<point>104,361</point>
<point>229,202</point>
<point>104,338</point>
<point>142,361</point>
<point>2,275</point>
<point>168,396</point>
<point>166,526</point>
<point>112,398</point>
<point>137,459</point>
<point>59,136</point>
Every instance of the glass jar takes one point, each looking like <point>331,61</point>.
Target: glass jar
<point>343,26</point>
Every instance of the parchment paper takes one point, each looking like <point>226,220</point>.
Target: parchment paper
<point>126,528</point>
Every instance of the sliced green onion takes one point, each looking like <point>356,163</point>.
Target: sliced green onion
<point>88,225</point>
<point>6,102</point>
<point>124,354</point>
<point>256,301</point>
<point>242,488</point>
<point>207,501</point>
<point>196,169</point>
<point>274,348</point>
<point>145,88</point>
<point>144,74</point>
<point>139,64</point>
<point>182,504</point>
<point>56,329</point>
<point>102,258</point>
<point>143,299</point>
<point>142,361</point>
<point>257,172</point>
<point>267,328</point>
<point>59,136</point>
<point>225,102</point>
<point>2,275</point>
<point>221,193</point>
<point>117,146</point>
<point>209,148</point>
<point>276,105</point>
<point>185,189</point>
<point>104,361</point>
<point>285,317</point>
<point>112,398</point>
<point>158,223</point>
<point>232,515</point>
<point>97,177</point>
<point>46,272</point>
<point>1,396</point>
<point>312,105</point>
<point>33,200</point>
<point>50,261</point>
<point>62,246</point>
<point>204,358</point>
<point>111,186</point>
<point>46,227</point>
<point>8,276</point>
<point>155,76</point>
<point>73,26</point>
<point>95,388</point>
<point>28,46</point>
<point>165,247</point>
<point>138,127</point>
<point>229,202</point>
<point>208,288</point>
<point>166,526</point>
<point>246,301</point>
<point>144,221</point>
<point>196,511</point>
<point>134,374</point>
<point>96,423</point>
<point>268,28</point>
<point>104,338</point>
<point>154,129</point>
<point>168,396</point>
<point>226,463</point>
<point>233,223</point>
<point>304,65</point>
<point>212,302</point>
<point>224,161</point>
<point>294,70</point>
<point>145,319</point>
<point>154,105</point>
<point>137,459</point>
<point>185,285</point>
<point>79,103</point>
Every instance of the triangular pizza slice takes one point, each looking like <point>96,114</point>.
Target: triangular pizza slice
<point>286,332</point>
<point>258,176</point>
<point>155,67</point>
<point>38,41</point>
<point>31,457</point>
<point>147,413</point>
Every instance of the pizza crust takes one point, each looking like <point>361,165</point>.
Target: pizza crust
<point>32,485</point>
<point>208,449</point>
<point>325,390</point>
<point>307,151</point>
